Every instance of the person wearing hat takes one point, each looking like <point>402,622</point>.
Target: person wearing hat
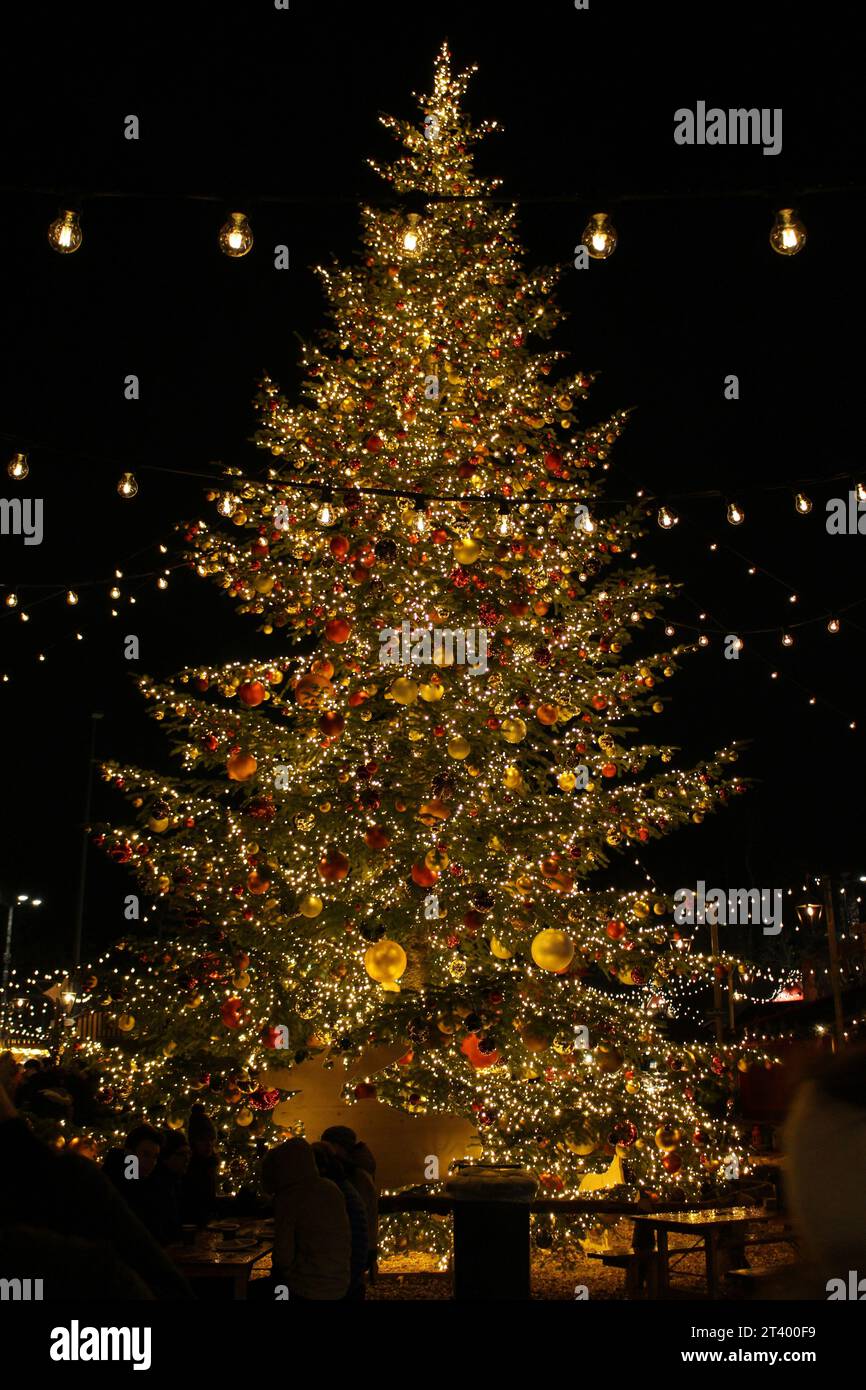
<point>360,1166</point>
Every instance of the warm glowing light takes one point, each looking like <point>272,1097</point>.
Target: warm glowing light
<point>803,503</point>
<point>788,235</point>
<point>833,625</point>
<point>599,236</point>
<point>666,518</point>
<point>736,515</point>
<point>64,234</point>
<point>127,487</point>
<point>236,236</point>
<point>18,467</point>
<point>71,597</point>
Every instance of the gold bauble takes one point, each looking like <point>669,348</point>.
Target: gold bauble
<point>467,550</point>
<point>126,1023</point>
<point>244,1117</point>
<point>430,692</point>
<point>310,905</point>
<point>498,950</point>
<point>457,967</point>
<point>459,747</point>
<point>512,730</point>
<point>552,949</point>
<point>404,691</point>
<point>385,961</point>
<point>513,778</point>
<point>567,781</point>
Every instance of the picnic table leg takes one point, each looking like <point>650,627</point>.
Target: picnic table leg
<point>662,1270</point>
<point>711,1243</point>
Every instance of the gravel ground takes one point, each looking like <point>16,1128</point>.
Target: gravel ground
<point>554,1275</point>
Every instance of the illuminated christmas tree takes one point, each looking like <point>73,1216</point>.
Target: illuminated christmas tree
<point>415,819</point>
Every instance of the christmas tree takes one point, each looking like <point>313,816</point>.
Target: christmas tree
<point>415,819</point>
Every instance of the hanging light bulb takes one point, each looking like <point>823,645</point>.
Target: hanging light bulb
<point>71,597</point>
<point>861,492</point>
<point>736,515</point>
<point>412,237</point>
<point>833,625</point>
<point>326,515</point>
<point>666,518</point>
<point>236,237</point>
<point>803,503</point>
<point>114,593</point>
<point>127,487</point>
<point>18,467</point>
<point>162,582</point>
<point>787,639</point>
<point>703,640</point>
<point>788,235</point>
<point>11,600</point>
<point>64,234</point>
<point>504,526</point>
<point>599,236</point>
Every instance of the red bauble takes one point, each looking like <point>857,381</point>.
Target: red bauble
<point>609,770</point>
<point>615,930</point>
<point>333,866</point>
<point>251,693</point>
<point>470,1049</point>
<point>332,723</point>
<point>373,443</point>
<point>338,629</point>
<point>672,1162</point>
<point>231,1012</point>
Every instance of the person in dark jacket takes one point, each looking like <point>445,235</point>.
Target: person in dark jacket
<point>330,1165</point>
<point>59,1213</point>
<point>135,1173</point>
<point>358,1162</point>
<point>198,1194</point>
<point>170,1171</point>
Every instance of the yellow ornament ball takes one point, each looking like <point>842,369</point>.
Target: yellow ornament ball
<point>641,909</point>
<point>459,747</point>
<point>310,905</point>
<point>552,949</point>
<point>567,781</point>
<point>498,950</point>
<point>244,1116</point>
<point>404,691</point>
<point>430,692</point>
<point>385,961</point>
<point>467,550</point>
<point>126,1023</point>
<point>512,730</point>
<point>158,824</point>
<point>513,778</point>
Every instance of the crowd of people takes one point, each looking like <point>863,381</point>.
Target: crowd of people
<point>100,1227</point>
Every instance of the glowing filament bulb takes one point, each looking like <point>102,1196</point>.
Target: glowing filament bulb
<point>236,237</point>
<point>861,492</point>
<point>64,234</point>
<point>599,236</point>
<point>833,625</point>
<point>788,235</point>
<point>504,527</point>
<point>412,237</point>
<point>787,639</point>
<point>803,503</point>
<point>11,600</point>
<point>666,518</point>
<point>71,598</point>
<point>18,467</point>
<point>127,487</point>
<point>736,515</point>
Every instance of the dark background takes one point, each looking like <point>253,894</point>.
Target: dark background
<point>244,102</point>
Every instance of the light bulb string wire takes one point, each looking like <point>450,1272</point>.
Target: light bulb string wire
<point>223,480</point>
<point>773,193</point>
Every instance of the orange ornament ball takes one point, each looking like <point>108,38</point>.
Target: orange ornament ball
<point>332,723</point>
<point>478,1059</point>
<point>609,770</point>
<point>313,689</point>
<point>334,866</point>
<point>240,766</point>
<point>251,693</point>
<point>338,629</point>
<point>424,876</point>
<point>339,547</point>
<point>547,714</point>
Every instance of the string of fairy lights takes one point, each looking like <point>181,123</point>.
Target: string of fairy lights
<point>787,235</point>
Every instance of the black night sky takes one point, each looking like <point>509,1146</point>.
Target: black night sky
<point>247,103</point>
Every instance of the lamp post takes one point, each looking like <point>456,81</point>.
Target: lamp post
<point>82,870</point>
<point>19,901</point>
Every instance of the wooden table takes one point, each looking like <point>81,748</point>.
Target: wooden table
<point>709,1225</point>
<point>210,1258</point>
